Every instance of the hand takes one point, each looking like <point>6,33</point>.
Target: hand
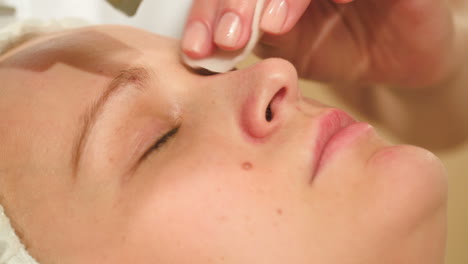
<point>402,42</point>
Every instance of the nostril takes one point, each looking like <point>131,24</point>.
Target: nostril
<point>273,105</point>
<point>268,113</point>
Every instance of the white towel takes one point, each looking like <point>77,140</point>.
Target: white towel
<point>12,251</point>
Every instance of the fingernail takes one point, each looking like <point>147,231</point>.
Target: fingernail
<point>195,38</point>
<point>274,17</point>
<point>229,30</point>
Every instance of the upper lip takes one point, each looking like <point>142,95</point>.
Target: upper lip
<point>330,123</point>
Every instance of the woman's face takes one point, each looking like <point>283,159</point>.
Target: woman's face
<point>114,152</point>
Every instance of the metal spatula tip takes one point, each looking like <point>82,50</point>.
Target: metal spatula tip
<point>128,7</point>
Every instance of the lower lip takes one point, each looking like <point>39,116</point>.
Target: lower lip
<point>340,141</point>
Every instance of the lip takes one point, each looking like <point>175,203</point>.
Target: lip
<point>335,129</point>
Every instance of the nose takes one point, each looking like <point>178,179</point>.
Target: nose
<point>268,93</point>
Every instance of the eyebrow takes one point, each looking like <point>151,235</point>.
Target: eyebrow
<point>132,78</point>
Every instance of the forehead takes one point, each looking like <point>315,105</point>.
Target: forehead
<point>94,54</point>
<point>100,49</point>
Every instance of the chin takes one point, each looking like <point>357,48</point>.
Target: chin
<point>413,175</point>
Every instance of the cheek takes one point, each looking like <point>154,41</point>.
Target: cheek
<point>197,217</point>
<point>213,215</point>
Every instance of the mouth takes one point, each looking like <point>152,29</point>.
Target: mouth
<point>332,123</point>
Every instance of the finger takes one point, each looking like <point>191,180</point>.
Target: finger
<point>234,23</point>
<point>198,34</point>
<point>280,16</point>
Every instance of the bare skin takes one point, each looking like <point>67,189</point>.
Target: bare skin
<point>228,186</point>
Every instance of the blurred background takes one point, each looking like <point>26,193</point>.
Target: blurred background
<point>98,11</point>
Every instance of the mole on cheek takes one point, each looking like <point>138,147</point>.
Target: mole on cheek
<point>247,165</point>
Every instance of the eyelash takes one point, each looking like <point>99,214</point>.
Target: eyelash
<point>161,141</point>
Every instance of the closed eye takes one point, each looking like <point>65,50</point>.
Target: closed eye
<point>160,142</point>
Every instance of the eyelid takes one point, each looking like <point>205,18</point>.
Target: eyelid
<point>160,142</point>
